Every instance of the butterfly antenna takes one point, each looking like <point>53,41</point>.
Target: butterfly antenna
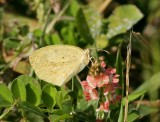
<point>92,59</point>
<point>98,49</point>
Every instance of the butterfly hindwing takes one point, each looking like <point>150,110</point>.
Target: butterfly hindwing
<point>56,64</point>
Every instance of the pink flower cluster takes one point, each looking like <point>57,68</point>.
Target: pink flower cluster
<point>107,83</point>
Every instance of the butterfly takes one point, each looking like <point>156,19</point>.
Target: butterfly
<point>57,64</point>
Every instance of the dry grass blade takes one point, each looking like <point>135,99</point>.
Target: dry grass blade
<point>128,62</point>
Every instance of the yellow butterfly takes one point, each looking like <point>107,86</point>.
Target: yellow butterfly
<point>57,64</point>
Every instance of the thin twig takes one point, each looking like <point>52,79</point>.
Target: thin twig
<point>56,5</point>
<point>104,5</point>
<point>128,62</point>
<point>154,104</point>
<point>53,22</point>
<point>79,80</point>
<point>139,103</point>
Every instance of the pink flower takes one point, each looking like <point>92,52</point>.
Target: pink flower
<point>109,88</point>
<point>87,95</point>
<point>94,94</point>
<point>91,81</point>
<point>104,107</point>
<point>111,71</point>
<point>103,64</point>
<point>91,95</point>
<point>105,81</point>
<point>115,78</point>
<point>89,92</point>
<point>85,85</point>
<point>102,79</point>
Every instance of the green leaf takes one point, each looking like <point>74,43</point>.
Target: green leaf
<point>38,33</point>
<point>64,92</point>
<point>11,43</point>
<point>67,106</point>
<point>85,116</point>
<point>32,117</point>
<point>83,27</point>
<point>73,8</point>
<point>93,20</point>
<point>18,86</point>
<point>49,93</point>
<point>52,39</point>
<point>101,41</point>
<point>145,110</point>
<point>88,23</point>
<point>150,85</point>
<point>120,118</point>
<point>119,69</point>
<point>94,104</point>
<point>18,89</point>
<point>56,39</point>
<point>82,104</point>
<point>5,96</point>
<point>122,19</point>
<point>57,118</point>
<point>29,107</point>
<point>68,35</point>
<point>132,116</point>
<point>47,39</point>
<point>23,30</point>
<point>26,79</point>
<point>33,94</point>
<point>59,99</point>
<point>133,96</point>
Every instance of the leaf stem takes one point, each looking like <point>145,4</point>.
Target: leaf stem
<point>8,110</point>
